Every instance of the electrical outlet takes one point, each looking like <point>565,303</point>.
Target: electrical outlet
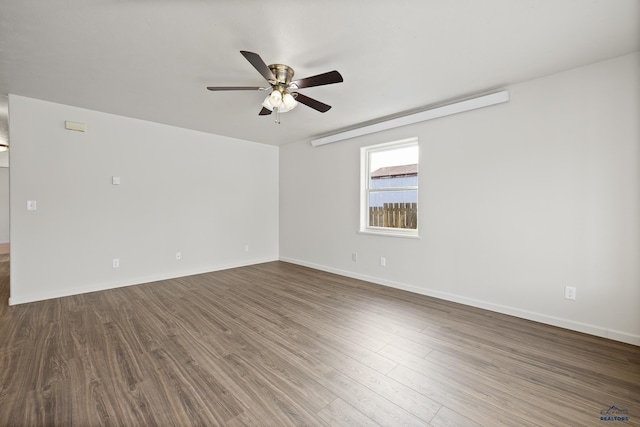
<point>383,261</point>
<point>570,292</point>
<point>354,257</point>
<point>178,255</point>
<point>116,263</point>
<point>246,248</point>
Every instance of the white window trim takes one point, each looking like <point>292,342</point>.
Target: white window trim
<point>365,154</point>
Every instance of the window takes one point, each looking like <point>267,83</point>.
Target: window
<point>389,188</point>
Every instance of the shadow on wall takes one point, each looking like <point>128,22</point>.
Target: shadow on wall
<point>4,130</point>
<point>4,210</point>
<point>4,175</point>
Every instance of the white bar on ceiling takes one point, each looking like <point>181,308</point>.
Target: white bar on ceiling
<point>434,113</point>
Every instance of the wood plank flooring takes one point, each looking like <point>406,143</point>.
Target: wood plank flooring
<point>277,344</point>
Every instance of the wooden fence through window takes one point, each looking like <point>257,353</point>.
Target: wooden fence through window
<point>394,215</point>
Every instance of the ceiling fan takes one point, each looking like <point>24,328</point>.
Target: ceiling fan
<point>283,96</point>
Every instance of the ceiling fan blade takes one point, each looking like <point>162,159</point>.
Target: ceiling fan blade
<point>310,102</point>
<point>216,88</point>
<point>319,80</point>
<point>258,64</point>
<point>264,112</point>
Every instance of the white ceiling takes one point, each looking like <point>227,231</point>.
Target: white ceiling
<point>152,59</point>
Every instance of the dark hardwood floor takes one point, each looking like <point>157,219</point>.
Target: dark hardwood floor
<point>277,344</point>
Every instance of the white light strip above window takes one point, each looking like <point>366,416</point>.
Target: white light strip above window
<point>434,113</point>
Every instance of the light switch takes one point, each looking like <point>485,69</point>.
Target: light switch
<point>32,205</point>
<point>115,180</point>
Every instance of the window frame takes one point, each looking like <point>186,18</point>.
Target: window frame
<point>366,190</point>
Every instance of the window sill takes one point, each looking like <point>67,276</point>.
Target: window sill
<point>389,234</point>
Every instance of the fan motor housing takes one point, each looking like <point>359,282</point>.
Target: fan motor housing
<point>283,73</point>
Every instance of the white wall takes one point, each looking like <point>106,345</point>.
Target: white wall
<point>204,195</point>
<point>4,204</point>
<point>516,202</point>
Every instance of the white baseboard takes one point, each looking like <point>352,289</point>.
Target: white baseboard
<point>59,293</point>
<point>498,308</point>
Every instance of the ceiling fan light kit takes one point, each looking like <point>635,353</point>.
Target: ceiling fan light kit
<point>284,96</point>
<point>280,101</point>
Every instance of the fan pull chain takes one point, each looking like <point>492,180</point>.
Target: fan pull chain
<point>277,110</point>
